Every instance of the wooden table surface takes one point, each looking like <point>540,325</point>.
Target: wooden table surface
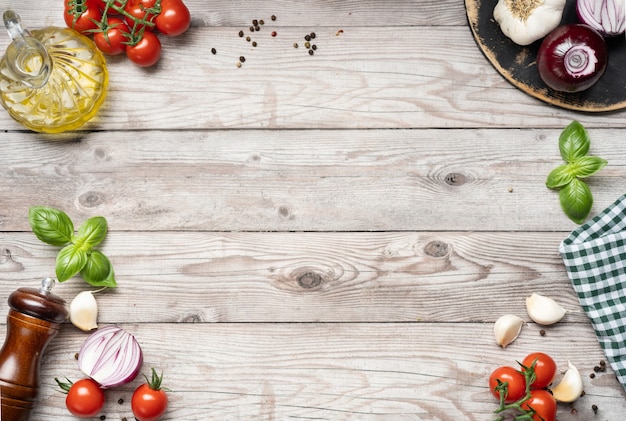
<point>314,237</point>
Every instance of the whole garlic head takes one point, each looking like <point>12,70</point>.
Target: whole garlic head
<point>526,21</point>
<point>84,311</point>
<point>507,328</point>
<point>544,310</point>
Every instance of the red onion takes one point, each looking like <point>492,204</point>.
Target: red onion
<point>572,58</point>
<point>605,16</point>
<point>111,356</point>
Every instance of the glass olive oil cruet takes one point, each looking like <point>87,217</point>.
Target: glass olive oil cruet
<point>51,79</point>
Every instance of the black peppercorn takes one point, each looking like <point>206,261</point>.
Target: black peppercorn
<point>273,17</point>
<point>248,39</point>
<point>295,45</point>
<point>240,34</point>
<point>313,47</point>
<point>254,44</point>
<point>255,22</point>
<point>120,401</point>
<point>213,50</point>
<point>311,52</point>
<point>307,38</point>
<point>312,35</point>
<point>594,408</point>
<point>261,22</point>
<point>242,59</point>
<point>252,29</point>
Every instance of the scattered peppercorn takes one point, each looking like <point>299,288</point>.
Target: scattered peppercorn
<point>248,39</point>
<point>238,64</point>
<point>241,34</point>
<point>255,22</point>
<point>273,33</point>
<point>254,44</point>
<point>542,332</point>
<point>213,51</point>
<point>295,45</point>
<point>312,35</point>
<point>311,52</point>
<point>273,17</point>
<point>307,44</point>
<point>103,417</point>
<point>307,37</point>
<point>257,28</point>
<point>120,401</point>
<point>594,408</point>
<point>76,356</point>
<point>592,375</point>
<point>261,22</point>
<point>242,59</point>
<point>597,369</point>
<point>313,47</point>
<point>252,29</point>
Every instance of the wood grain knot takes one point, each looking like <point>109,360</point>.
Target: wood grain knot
<point>436,249</point>
<point>310,280</point>
<point>90,199</point>
<point>455,179</point>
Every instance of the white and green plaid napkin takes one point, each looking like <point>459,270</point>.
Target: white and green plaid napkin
<point>595,257</point>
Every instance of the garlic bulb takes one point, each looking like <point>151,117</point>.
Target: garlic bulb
<point>526,21</point>
<point>84,311</point>
<point>570,387</point>
<point>507,329</point>
<point>544,310</point>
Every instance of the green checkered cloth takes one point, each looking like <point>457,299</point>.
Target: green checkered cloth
<point>595,257</point>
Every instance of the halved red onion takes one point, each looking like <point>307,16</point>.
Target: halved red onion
<point>111,356</point>
<point>605,16</point>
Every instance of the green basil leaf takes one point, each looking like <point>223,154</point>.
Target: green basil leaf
<point>585,166</point>
<point>576,200</point>
<point>91,233</point>
<point>574,141</point>
<point>98,271</point>
<point>70,261</point>
<point>50,225</point>
<point>559,177</point>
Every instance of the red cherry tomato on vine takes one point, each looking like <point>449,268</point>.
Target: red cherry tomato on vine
<point>516,383</point>
<point>112,40</point>
<point>543,403</point>
<point>82,15</point>
<point>139,9</point>
<point>149,400</point>
<point>174,18</point>
<point>84,399</point>
<point>545,369</point>
<point>146,52</point>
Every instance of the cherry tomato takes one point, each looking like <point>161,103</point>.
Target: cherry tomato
<point>82,15</point>
<point>149,400</point>
<point>543,403</point>
<point>545,369</point>
<point>139,9</point>
<point>174,18</point>
<point>146,52</point>
<point>516,383</point>
<point>84,398</point>
<point>112,40</point>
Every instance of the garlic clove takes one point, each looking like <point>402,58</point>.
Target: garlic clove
<point>544,310</point>
<point>507,329</point>
<point>570,387</point>
<point>84,311</point>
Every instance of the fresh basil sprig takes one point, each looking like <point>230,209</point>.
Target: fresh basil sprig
<point>574,194</point>
<point>78,255</point>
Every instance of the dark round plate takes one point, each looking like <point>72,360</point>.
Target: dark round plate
<point>517,64</point>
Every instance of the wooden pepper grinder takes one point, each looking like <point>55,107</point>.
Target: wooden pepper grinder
<point>35,317</point>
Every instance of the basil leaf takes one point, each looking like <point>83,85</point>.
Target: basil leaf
<point>559,176</point>
<point>574,141</point>
<point>91,233</point>
<point>98,271</point>
<point>585,166</point>
<point>51,226</point>
<point>70,261</point>
<point>576,200</point>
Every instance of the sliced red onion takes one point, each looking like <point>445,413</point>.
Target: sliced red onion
<point>111,356</point>
<point>605,16</point>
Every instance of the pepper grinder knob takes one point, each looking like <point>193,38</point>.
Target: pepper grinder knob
<point>34,319</point>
